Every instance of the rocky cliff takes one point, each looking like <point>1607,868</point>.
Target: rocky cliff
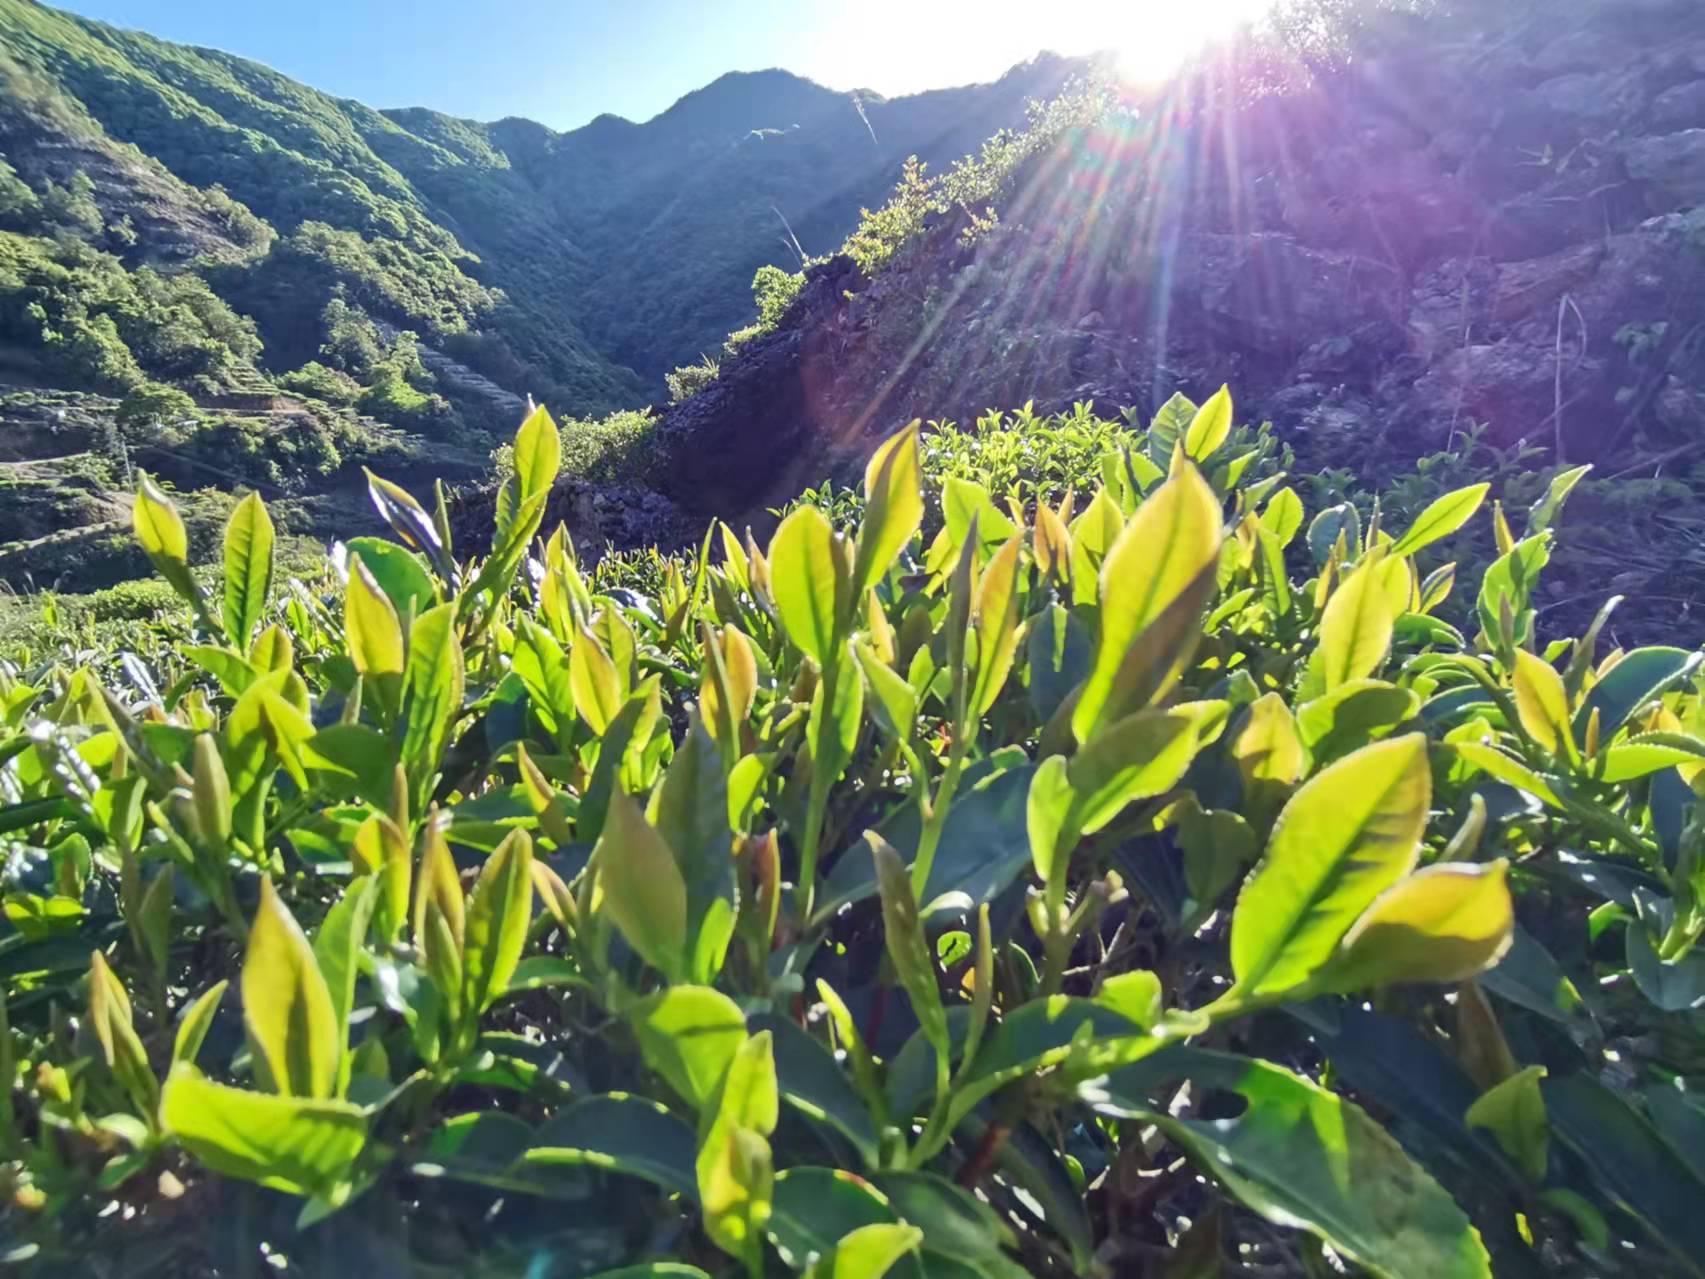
<point>1491,213</point>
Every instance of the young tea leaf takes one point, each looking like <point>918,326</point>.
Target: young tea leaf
<point>1442,518</point>
<point>894,507</point>
<point>806,574</point>
<point>1355,632</point>
<point>1351,832</point>
<point>641,887</point>
<point>689,1034</point>
<point>1210,427</point>
<point>1445,923</point>
<point>289,1012</point>
<point>248,569</point>
<point>432,696</point>
<point>370,625</point>
<point>499,912</point>
<point>1154,584</point>
<point>299,1145</point>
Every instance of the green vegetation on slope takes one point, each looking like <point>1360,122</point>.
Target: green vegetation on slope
<point>346,220</point>
<point>545,261</point>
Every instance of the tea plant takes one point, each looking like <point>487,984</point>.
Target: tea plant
<point>1095,870</point>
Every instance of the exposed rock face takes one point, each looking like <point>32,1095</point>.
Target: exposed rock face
<point>1497,216</point>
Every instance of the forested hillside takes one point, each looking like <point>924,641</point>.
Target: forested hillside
<point>228,278</point>
<point>557,263</point>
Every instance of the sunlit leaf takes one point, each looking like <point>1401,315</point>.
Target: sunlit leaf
<point>894,507</point>
<point>248,569</point>
<point>296,1144</point>
<point>1445,923</point>
<point>1441,518</point>
<point>1351,832</point>
<point>432,698</point>
<point>1355,632</point>
<point>1541,702</point>
<point>499,911</point>
<point>1210,427</point>
<point>288,1009</point>
<point>1155,582</point>
<point>689,1034</point>
<point>370,624</point>
<point>806,574</point>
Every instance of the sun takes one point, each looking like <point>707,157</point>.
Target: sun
<point>1150,39</point>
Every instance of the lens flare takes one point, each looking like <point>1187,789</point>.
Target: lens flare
<point>1150,39</point>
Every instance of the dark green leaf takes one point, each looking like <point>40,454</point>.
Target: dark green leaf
<point>1300,1155</point>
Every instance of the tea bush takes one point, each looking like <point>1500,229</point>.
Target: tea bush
<point>1115,871</point>
<point>615,449</point>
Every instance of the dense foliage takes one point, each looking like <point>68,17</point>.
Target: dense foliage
<point>99,325</point>
<point>1086,862</point>
<point>618,449</point>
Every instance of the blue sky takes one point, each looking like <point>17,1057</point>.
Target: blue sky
<point>563,63</point>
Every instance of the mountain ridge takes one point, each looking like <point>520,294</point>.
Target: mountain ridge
<point>551,218</point>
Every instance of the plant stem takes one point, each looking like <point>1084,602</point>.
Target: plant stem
<point>939,808</point>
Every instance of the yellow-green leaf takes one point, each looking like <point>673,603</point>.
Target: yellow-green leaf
<point>1505,768</point>
<point>1270,753</point>
<point>1514,1113</point>
<point>160,530</point>
<point>1442,924</point>
<point>381,849</point>
<point>1350,833</point>
<point>438,885</point>
<point>158,525</point>
<point>1093,534</point>
<point>1048,810</point>
<point>868,1252</point>
<point>1442,518</point>
<point>1355,631</point>
<point>729,686</point>
<point>298,1145</point>
<point>736,1177</point>
<point>594,682</point>
<point>1283,515</point>
<point>966,504</point>
<point>248,568</point>
<point>1542,704</point>
<point>1137,757</point>
<point>1156,580</point>
<point>689,1034</point>
<point>894,507</point>
<point>500,908</point>
<point>193,1026</point>
<point>1209,428</point>
<point>805,575</point>
<point>432,697</point>
<point>641,886</point>
<point>895,704</point>
<point>121,1049</point>
<point>371,629</point>
<point>538,454</point>
<point>995,619</point>
<point>287,1007</point>
<point>749,1095</point>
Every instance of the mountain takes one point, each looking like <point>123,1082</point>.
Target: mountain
<point>230,279</point>
<point>1492,214</point>
<point>578,266</point>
